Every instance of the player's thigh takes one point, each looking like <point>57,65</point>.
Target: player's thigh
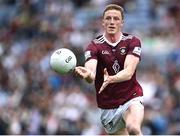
<point>134,114</point>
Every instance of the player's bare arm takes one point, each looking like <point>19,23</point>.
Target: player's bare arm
<point>130,65</point>
<point>88,72</point>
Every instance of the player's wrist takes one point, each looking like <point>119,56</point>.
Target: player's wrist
<point>115,78</point>
<point>89,77</point>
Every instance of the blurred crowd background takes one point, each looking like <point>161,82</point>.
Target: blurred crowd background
<point>36,100</point>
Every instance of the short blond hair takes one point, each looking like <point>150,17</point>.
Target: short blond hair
<point>115,7</point>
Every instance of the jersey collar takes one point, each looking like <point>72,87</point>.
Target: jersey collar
<point>110,43</point>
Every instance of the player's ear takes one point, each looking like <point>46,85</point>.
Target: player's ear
<point>122,23</point>
<point>103,23</point>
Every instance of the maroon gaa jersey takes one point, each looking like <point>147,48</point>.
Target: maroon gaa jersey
<point>112,58</point>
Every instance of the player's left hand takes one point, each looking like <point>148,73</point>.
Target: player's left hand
<point>107,80</point>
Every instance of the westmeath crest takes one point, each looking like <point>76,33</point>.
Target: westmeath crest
<point>123,50</point>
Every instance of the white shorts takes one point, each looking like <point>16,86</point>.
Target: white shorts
<point>112,119</point>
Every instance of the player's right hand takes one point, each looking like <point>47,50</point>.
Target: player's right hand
<point>82,72</point>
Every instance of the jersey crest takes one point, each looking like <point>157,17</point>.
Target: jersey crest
<point>123,50</point>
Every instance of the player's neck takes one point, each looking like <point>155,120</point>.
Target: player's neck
<point>113,38</point>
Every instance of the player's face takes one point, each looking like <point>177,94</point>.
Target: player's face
<point>112,21</point>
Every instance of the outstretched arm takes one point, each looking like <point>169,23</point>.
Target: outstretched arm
<point>88,72</point>
<point>130,65</point>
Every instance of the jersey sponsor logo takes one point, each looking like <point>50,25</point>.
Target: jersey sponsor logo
<point>87,55</point>
<point>123,50</point>
<point>105,52</point>
<point>137,50</point>
<point>116,66</point>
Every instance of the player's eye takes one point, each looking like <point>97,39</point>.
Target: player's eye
<point>116,18</point>
<point>108,18</point>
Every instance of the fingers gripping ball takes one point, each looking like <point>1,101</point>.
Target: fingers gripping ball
<point>63,61</point>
